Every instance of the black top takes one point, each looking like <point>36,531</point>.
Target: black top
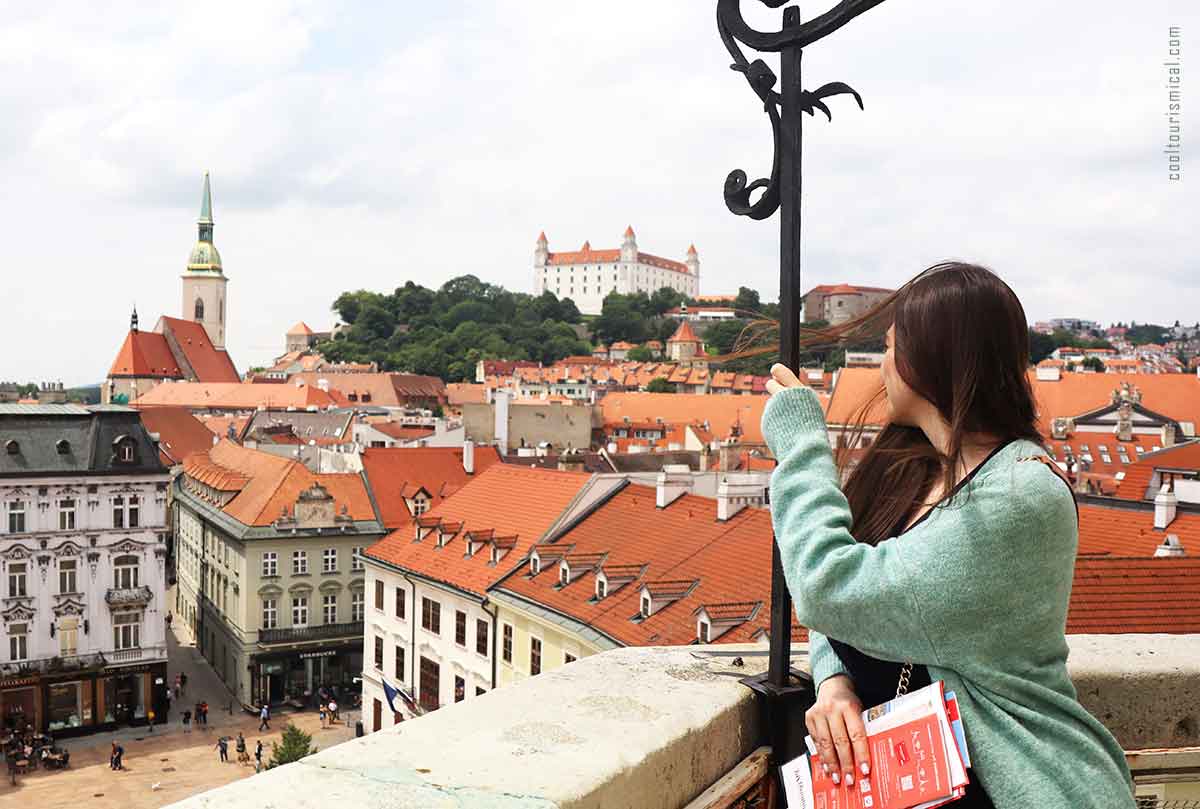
<point>875,680</point>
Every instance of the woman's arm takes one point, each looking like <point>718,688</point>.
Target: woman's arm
<point>822,659</point>
<point>968,568</point>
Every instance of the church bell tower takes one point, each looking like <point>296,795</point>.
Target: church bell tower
<point>204,281</point>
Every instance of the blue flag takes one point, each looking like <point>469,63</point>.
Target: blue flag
<point>392,693</point>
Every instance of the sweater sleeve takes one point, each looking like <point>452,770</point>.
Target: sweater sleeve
<point>822,659</point>
<point>942,580</point>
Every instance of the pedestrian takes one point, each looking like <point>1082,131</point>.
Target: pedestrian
<point>187,721</point>
<point>240,746</point>
<point>178,685</point>
<point>112,757</point>
<point>182,682</point>
<point>204,713</point>
<point>168,620</point>
<point>223,747</point>
<point>258,756</point>
<point>170,699</point>
<point>150,720</point>
<point>263,716</point>
<point>333,712</point>
<point>321,711</point>
<point>118,754</point>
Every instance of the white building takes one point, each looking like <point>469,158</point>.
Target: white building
<point>586,276</point>
<point>84,499</point>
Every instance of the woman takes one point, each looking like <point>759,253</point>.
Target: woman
<point>951,547</point>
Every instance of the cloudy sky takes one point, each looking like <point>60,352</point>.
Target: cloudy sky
<point>362,145</point>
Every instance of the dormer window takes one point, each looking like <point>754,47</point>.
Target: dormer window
<point>702,631</point>
<point>12,447</point>
<point>601,589</point>
<point>535,565</point>
<point>645,605</point>
<point>564,574</point>
<point>63,446</point>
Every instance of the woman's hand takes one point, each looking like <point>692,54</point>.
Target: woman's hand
<point>835,723</point>
<point>782,378</point>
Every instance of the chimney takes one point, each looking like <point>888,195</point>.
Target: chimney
<point>1170,547</point>
<point>1165,504</point>
<point>469,457</point>
<point>726,456</point>
<point>726,507</point>
<point>673,482</point>
<point>705,457</point>
<point>1168,435</point>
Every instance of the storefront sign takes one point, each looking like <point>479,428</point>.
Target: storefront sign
<point>325,653</point>
<point>17,682</point>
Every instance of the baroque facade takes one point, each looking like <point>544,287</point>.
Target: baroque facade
<point>83,570</point>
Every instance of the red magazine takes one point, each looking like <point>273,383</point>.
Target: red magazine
<point>908,767</point>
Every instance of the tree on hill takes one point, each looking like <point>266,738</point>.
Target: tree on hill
<point>293,746</point>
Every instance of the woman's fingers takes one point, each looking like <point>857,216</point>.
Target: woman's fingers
<point>857,732</point>
<point>818,728</point>
<point>841,743</point>
<point>784,376</point>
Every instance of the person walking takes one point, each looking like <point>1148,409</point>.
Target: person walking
<point>263,716</point>
<point>333,712</point>
<point>118,755</point>
<point>182,682</point>
<point>176,686</point>
<point>204,713</point>
<point>223,748</point>
<point>187,721</point>
<point>240,746</point>
<point>258,748</point>
<point>112,757</point>
<point>321,711</point>
<point>170,699</point>
<point>943,551</point>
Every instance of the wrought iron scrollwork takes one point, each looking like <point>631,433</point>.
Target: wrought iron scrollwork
<point>734,30</point>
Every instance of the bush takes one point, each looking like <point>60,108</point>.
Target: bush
<point>295,745</point>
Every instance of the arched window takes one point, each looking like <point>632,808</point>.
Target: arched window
<point>125,572</point>
<point>199,310</point>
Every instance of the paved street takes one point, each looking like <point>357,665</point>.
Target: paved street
<point>180,764</point>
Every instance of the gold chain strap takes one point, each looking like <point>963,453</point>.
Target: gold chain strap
<point>905,673</point>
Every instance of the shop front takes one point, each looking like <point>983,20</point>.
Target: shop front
<point>295,676</point>
<point>73,704</point>
<point>20,703</point>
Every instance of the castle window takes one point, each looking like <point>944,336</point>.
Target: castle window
<point>199,310</point>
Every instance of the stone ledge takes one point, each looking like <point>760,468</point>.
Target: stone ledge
<point>652,727</point>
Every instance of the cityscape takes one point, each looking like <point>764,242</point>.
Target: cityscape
<point>232,568</point>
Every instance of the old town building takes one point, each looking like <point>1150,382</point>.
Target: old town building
<point>270,572</point>
<point>83,561</point>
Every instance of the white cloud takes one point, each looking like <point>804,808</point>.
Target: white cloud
<point>353,145</point>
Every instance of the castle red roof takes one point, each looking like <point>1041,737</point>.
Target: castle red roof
<point>145,354</point>
<point>683,334</point>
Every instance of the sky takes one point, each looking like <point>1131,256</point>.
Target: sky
<point>359,145</point>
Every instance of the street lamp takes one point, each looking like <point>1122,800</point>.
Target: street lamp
<point>785,693</point>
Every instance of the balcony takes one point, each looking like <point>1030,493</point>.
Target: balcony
<point>140,654</point>
<point>660,726</point>
<point>307,634</point>
<point>128,596</point>
<point>54,665</point>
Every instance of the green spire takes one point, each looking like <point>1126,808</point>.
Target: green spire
<point>206,204</point>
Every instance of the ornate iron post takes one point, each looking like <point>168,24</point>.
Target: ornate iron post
<point>785,693</point>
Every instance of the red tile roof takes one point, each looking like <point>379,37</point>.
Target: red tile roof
<point>266,484</point>
<point>210,364</point>
<point>235,396</point>
<point>683,334</point>
<point>1135,486</point>
<point>835,289</point>
<point>1114,596</point>
<point>145,354</point>
<point>511,500</point>
<point>1130,532</point>
<point>300,328</point>
<point>396,472</point>
<point>381,389</point>
<point>402,432</point>
<point>179,432</point>
<point>721,566</point>
<point>722,412</point>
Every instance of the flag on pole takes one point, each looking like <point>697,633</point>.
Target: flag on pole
<point>391,694</point>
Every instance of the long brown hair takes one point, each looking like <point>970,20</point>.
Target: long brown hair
<point>962,343</point>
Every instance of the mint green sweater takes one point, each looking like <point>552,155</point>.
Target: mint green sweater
<point>977,592</point>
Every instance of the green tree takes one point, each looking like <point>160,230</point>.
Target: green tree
<point>1040,346</point>
<point>747,301</point>
<point>293,746</point>
<point>663,299</point>
<point>723,334</point>
<point>640,354</point>
<point>660,385</point>
<point>1093,364</point>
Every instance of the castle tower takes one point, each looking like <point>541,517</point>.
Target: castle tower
<point>629,251</point>
<point>693,262</point>
<point>204,282</point>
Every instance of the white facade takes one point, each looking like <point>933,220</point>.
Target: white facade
<point>419,643</point>
<point>588,275</point>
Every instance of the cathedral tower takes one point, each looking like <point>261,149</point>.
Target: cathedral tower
<point>204,282</point>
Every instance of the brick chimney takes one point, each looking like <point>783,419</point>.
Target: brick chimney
<point>1171,546</point>
<point>1165,505</point>
<point>1168,435</point>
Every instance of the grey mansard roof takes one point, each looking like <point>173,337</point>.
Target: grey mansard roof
<point>72,440</point>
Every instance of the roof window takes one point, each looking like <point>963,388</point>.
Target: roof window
<point>63,446</point>
<point>12,446</point>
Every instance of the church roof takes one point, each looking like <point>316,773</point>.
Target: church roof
<point>300,328</point>
<point>208,363</point>
<point>145,354</point>
<point>684,334</point>
<point>206,203</point>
